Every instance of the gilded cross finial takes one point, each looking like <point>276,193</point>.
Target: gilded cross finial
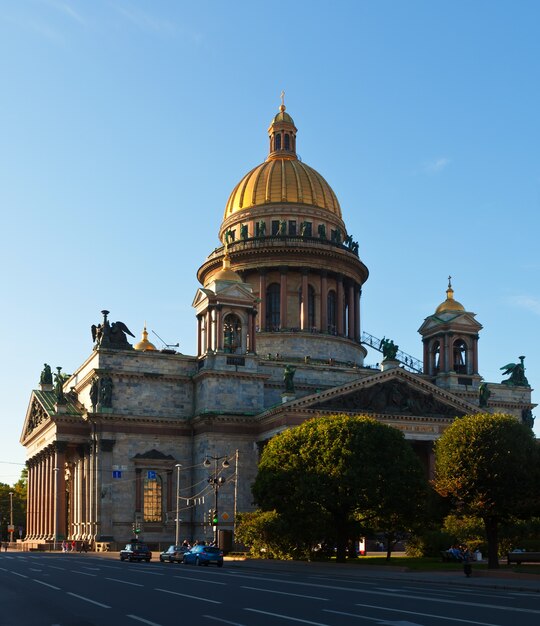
<point>282,107</point>
<point>449,282</point>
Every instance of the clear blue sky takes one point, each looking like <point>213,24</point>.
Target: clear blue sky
<point>124,125</point>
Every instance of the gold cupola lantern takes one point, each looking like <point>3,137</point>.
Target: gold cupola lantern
<point>144,345</point>
<point>449,305</point>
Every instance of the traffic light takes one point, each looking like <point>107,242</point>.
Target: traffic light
<point>214,517</point>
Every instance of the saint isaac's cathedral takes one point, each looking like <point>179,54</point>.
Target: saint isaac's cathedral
<point>138,438</point>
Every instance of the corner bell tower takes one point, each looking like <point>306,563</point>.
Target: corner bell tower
<point>450,338</point>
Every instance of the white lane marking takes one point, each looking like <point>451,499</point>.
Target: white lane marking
<point>144,621</point>
<point>117,580</point>
<point>105,606</point>
<point>417,613</point>
<point>56,567</point>
<point>223,621</point>
<point>200,580</point>
<point>185,595</point>
<point>4,569</point>
<point>76,571</point>
<point>529,594</point>
<point>344,580</point>
<point>17,574</point>
<point>46,584</point>
<point>445,601</point>
<point>34,569</point>
<point>292,619</point>
<point>283,593</point>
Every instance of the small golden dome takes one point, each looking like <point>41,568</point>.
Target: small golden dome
<point>144,345</point>
<point>449,305</point>
<point>226,273</point>
<point>282,178</point>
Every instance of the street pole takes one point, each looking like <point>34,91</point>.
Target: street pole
<point>178,467</point>
<point>11,515</point>
<point>216,481</point>
<point>55,470</point>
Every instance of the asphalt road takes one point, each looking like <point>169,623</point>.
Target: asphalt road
<point>81,590</point>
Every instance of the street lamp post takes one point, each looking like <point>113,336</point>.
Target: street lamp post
<point>10,515</point>
<point>216,481</point>
<point>178,467</point>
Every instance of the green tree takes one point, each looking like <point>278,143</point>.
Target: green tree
<point>333,476</point>
<point>488,464</point>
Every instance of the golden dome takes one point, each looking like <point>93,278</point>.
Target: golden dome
<point>226,273</point>
<point>282,178</point>
<point>449,305</point>
<point>144,345</point>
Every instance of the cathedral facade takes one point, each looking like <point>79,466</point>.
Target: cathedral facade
<point>154,441</point>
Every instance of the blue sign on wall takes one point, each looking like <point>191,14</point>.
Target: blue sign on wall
<point>117,474</point>
<point>151,475</point>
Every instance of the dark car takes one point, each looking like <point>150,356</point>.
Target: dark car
<point>204,555</point>
<point>135,552</point>
<point>173,554</point>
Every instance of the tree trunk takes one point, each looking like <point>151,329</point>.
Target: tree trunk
<point>492,535</point>
<point>342,537</point>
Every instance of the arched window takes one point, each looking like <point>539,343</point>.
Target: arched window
<point>287,142</point>
<point>278,142</point>
<point>232,333</point>
<point>459,353</point>
<point>311,307</point>
<point>331,301</point>
<point>435,357</point>
<point>152,494</point>
<point>273,305</point>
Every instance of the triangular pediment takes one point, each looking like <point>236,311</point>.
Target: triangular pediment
<point>463,321</point>
<point>235,291</point>
<point>394,392</point>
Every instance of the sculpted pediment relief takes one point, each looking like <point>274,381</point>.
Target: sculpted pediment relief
<point>36,415</point>
<point>393,396</point>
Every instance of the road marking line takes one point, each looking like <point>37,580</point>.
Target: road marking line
<point>293,619</point>
<point>117,580</point>
<point>223,621</point>
<point>417,613</point>
<point>283,593</point>
<point>21,575</point>
<point>105,606</point>
<point>200,580</point>
<point>76,571</point>
<point>144,621</point>
<point>4,569</point>
<point>56,567</point>
<point>185,595</point>
<point>445,601</point>
<point>46,584</point>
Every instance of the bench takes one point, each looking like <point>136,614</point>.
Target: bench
<point>523,557</point>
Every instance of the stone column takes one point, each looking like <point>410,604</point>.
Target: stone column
<point>283,298</point>
<point>219,328</point>
<point>39,500</point>
<point>324,302</point>
<point>48,496</point>
<point>475,355</point>
<point>29,501</point>
<point>340,305</point>
<point>262,298</point>
<point>352,312</point>
<point>448,365</point>
<point>305,301</point>
<point>208,333</point>
<point>60,479</point>
<point>106,521</point>
<point>199,335</point>
<point>429,363</point>
<point>358,330</point>
<point>253,333</point>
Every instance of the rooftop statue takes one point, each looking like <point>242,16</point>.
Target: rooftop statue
<point>517,374</point>
<point>59,380</point>
<point>288,376</point>
<point>46,375</point>
<point>113,336</point>
<point>483,394</point>
<point>389,349</point>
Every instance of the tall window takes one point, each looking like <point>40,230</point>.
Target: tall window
<point>278,142</point>
<point>287,142</point>
<point>273,304</point>
<point>331,311</point>
<point>152,499</point>
<point>436,355</point>
<point>232,333</point>
<point>460,356</point>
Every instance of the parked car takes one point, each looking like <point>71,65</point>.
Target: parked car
<point>204,555</point>
<point>136,552</point>
<point>173,554</point>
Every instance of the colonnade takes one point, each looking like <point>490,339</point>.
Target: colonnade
<point>63,497</point>
<point>444,345</point>
<point>347,302</point>
<point>210,329</point>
